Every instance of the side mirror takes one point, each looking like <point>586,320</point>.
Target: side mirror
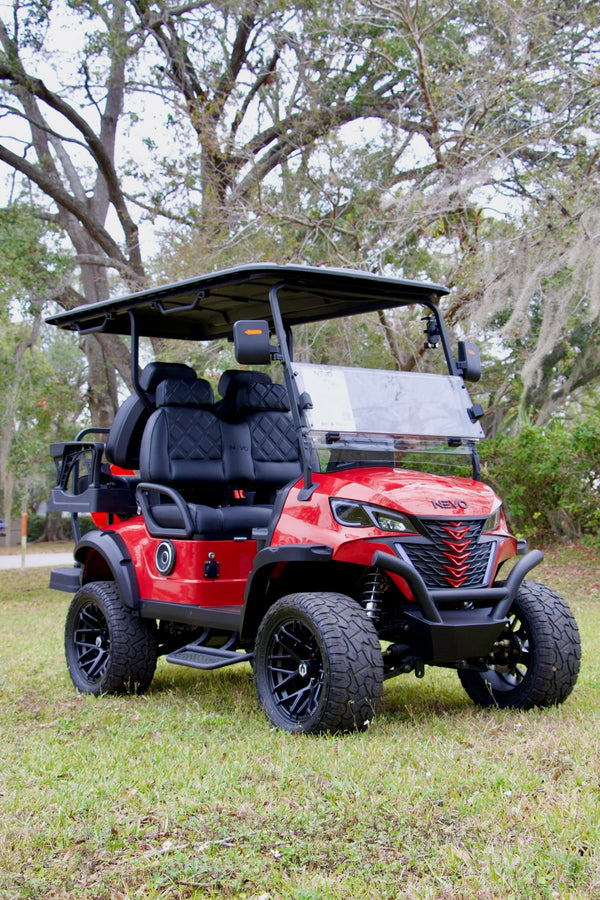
<point>251,342</point>
<point>469,361</point>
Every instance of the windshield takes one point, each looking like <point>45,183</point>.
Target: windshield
<point>373,416</point>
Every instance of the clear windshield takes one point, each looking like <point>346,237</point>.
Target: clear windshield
<point>395,418</point>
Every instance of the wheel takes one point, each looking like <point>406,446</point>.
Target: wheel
<point>318,664</point>
<point>537,659</point>
<point>108,648</point>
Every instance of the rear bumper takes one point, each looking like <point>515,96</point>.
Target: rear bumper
<point>450,635</point>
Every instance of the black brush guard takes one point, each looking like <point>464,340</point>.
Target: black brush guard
<point>452,635</point>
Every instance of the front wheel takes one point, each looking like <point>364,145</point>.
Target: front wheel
<point>109,649</point>
<point>318,664</point>
<point>536,659</point>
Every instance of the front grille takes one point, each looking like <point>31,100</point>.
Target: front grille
<point>452,555</point>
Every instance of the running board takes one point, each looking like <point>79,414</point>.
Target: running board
<point>199,657</point>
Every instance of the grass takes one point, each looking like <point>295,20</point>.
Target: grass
<point>37,547</point>
<point>187,792</point>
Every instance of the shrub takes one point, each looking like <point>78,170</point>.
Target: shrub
<point>55,527</point>
<point>86,524</point>
<point>549,478</point>
<point>35,526</point>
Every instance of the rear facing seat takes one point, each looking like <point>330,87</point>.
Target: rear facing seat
<point>85,482</point>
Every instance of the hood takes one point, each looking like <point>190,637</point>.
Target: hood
<point>414,493</point>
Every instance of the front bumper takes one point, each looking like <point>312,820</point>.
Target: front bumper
<point>452,635</point>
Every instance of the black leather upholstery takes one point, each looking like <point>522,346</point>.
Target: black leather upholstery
<point>182,443</point>
<point>187,447</point>
<point>125,436</point>
<point>209,520</point>
<point>275,452</point>
<point>232,381</point>
<point>156,372</point>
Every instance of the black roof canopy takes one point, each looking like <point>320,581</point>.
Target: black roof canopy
<point>205,308</point>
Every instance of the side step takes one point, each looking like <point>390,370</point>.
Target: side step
<point>199,657</point>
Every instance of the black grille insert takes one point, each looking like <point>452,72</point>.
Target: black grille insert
<point>452,555</point>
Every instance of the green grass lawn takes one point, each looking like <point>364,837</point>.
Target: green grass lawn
<point>187,792</point>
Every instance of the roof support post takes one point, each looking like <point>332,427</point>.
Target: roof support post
<point>306,448</point>
<point>135,362</point>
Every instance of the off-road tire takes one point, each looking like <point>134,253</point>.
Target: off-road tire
<point>542,664</point>
<point>318,665</point>
<point>109,649</point>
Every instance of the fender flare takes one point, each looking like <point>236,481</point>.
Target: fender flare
<point>111,548</point>
<point>255,601</point>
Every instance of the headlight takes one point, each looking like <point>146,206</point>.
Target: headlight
<point>362,515</point>
<point>492,522</point>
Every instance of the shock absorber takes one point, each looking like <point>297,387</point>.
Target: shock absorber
<point>375,584</point>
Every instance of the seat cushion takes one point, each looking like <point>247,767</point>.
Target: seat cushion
<point>235,520</point>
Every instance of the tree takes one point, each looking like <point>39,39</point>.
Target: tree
<point>426,139</point>
<point>244,91</point>
<point>40,373</point>
<point>484,175</point>
<point>505,193</point>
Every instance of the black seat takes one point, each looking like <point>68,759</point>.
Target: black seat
<point>125,436</point>
<point>194,459</point>
<point>274,446</point>
<point>232,381</point>
<point>182,443</point>
<point>206,521</point>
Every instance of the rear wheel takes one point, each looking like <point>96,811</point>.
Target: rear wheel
<point>109,649</point>
<point>318,664</point>
<point>537,657</point>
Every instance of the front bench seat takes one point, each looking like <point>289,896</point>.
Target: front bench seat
<point>275,451</point>
<point>231,382</point>
<point>186,447</point>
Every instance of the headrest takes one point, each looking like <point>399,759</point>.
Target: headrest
<point>155,372</point>
<point>259,396</point>
<point>234,379</point>
<point>184,392</point>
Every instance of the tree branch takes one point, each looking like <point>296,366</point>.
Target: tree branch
<point>37,88</point>
<point>61,196</point>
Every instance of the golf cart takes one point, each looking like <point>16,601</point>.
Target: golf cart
<point>327,524</point>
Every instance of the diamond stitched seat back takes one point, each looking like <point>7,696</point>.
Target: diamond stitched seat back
<point>183,443</point>
<point>273,437</point>
<point>231,383</point>
<point>125,436</point>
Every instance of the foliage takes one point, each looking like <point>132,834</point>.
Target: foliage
<point>32,262</point>
<point>37,527</point>
<point>548,478</point>
<point>187,793</point>
<point>40,402</point>
<point>457,141</point>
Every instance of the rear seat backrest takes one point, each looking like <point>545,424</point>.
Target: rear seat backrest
<point>125,436</point>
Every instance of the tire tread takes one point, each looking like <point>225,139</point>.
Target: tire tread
<point>556,654</point>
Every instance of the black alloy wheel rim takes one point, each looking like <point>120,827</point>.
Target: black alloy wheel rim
<point>92,642</point>
<point>295,670</point>
<point>512,670</point>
